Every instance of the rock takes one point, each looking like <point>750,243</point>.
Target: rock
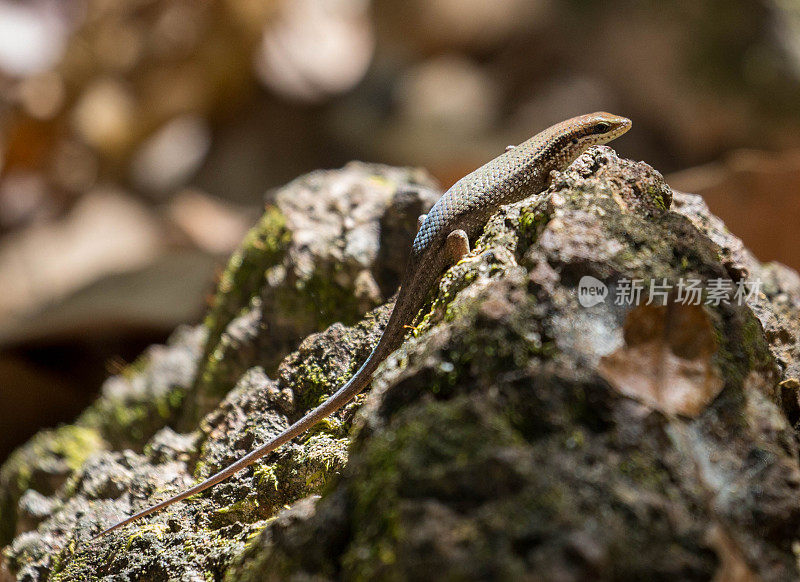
<point>330,246</point>
<point>498,441</point>
<point>754,193</point>
<point>134,405</point>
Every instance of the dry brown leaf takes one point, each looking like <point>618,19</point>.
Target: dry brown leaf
<point>666,360</point>
<point>732,565</point>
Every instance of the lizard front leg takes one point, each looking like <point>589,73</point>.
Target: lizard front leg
<point>456,246</point>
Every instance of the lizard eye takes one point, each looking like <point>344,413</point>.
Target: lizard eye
<point>602,127</point>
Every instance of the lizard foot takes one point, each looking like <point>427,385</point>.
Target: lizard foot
<point>457,246</point>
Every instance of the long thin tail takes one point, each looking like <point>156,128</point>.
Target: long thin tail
<point>409,301</point>
<point>356,384</point>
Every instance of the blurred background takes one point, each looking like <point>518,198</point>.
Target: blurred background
<point>138,137</point>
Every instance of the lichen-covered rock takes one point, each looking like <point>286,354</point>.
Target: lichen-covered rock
<point>330,246</point>
<point>169,385</point>
<point>494,446</point>
<point>521,432</point>
<point>134,405</point>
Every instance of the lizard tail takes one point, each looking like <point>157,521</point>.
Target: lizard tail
<point>409,301</point>
<point>342,396</point>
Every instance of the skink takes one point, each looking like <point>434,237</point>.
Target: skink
<point>443,239</point>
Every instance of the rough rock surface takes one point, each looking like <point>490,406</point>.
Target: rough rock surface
<point>330,246</point>
<point>515,435</point>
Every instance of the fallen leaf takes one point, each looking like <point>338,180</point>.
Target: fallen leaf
<point>666,362</point>
<point>732,565</point>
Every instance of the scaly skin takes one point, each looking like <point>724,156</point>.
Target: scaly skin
<point>442,239</point>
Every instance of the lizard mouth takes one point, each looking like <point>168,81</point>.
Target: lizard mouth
<point>613,126</point>
<point>618,127</point>
<point>624,125</point>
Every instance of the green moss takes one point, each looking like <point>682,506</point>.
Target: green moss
<point>301,472</point>
<point>266,477</point>
<point>221,368</point>
<point>69,444</point>
<point>263,247</point>
<point>330,426</point>
<point>424,445</point>
<point>442,305</point>
<point>487,349</point>
<point>657,197</point>
<point>199,470</point>
<point>74,444</point>
<point>131,420</point>
<point>757,349</point>
<point>69,566</point>
<point>242,280</point>
<point>315,385</point>
<point>322,456</point>
<point>157,529</point>
<point>322,300</point>
<point>532,221</point>
<point>670,248</point>
<point>742,348</point>
<point>242,510</point>
<point>377,508</point>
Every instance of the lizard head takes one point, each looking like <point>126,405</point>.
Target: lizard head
<point>601,127</point>
<point>574,136</point>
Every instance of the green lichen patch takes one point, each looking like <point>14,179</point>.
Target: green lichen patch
<point>241,283</point>
<point>149,394</point>
<point>262,248</point>
<point>42,464</point>
<point>425,457</point>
